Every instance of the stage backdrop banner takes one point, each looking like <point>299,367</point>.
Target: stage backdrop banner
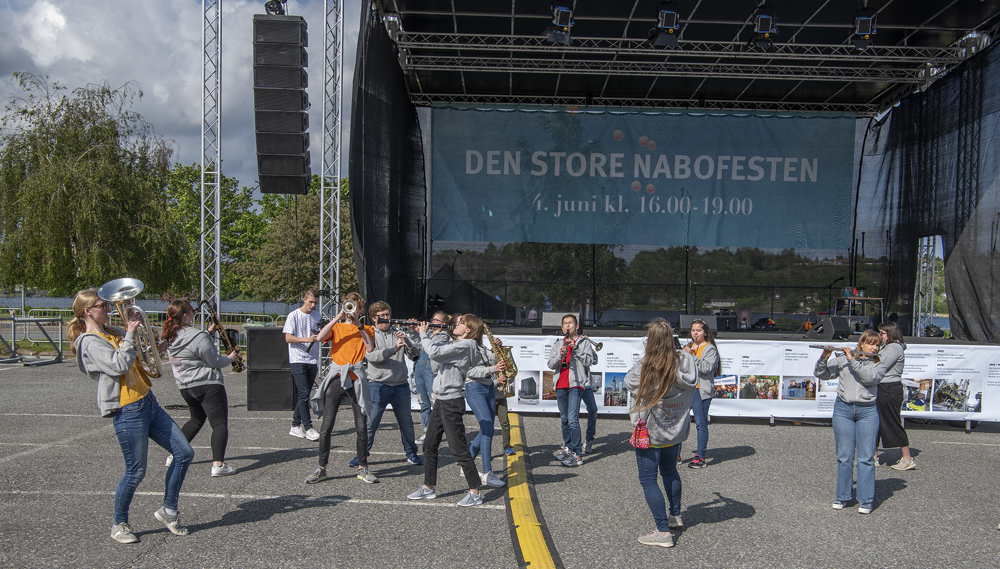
<point>642,178</point>
<point>775,379</point>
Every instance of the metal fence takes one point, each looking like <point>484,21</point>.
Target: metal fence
<point>25,330</point>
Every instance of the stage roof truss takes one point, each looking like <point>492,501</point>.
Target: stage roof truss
<point>453,51</point>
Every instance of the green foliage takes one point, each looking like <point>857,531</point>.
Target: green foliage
<point>287,260</point>
<point>242,232</point>
<point>81,190</point>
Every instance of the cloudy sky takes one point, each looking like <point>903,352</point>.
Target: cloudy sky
<point>159,45</point>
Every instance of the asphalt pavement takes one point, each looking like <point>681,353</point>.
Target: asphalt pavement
<point>763,501</point>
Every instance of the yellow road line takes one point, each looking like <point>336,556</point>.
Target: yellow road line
<point>527,524</point>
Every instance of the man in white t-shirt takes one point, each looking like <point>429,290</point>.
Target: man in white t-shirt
<point>301,329</point>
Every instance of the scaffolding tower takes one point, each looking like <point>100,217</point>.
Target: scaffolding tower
<point>211,153</point>
<point>923,308</point>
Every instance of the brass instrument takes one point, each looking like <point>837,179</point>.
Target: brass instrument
<point>228,336</point>
<point>121,293</point>
<point>503,354</point>
<point>349,307</point>
<point>597,345</point>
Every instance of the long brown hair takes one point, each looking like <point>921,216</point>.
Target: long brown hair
<point>659,366</point>
<point>710,338</point>
<point>474,324</point>
<point>175,319</point>
<point>892,332</point>
<point>83,300</point>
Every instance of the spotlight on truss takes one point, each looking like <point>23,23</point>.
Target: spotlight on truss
<point>864,27</point>
<point>275,7</point>
<point>668,17</point>
<point>562,21</point>
<point>764,26</point>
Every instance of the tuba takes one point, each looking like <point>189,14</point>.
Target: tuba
<point>510,368</point>
<point>120,293</point>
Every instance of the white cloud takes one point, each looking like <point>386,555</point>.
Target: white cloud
<point>159,45</point>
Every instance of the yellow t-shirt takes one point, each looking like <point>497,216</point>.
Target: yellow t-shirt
<point>134,384</point>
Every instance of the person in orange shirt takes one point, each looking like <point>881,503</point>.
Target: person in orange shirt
<point>349,342</point>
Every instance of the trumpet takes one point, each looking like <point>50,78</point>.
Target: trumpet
<point>121,293</point>
<point>349,307</point>
<point>835,349</point>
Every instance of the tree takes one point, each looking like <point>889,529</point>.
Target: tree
<point>287,261</point>
<point>81,190</point>
<point>242,232</point>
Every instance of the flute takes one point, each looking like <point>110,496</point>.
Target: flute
<point>840,350</point>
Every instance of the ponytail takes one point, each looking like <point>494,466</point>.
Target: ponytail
<point>175,319</point>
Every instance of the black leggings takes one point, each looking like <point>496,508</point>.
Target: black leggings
<point>334,394</point>
<point>211,402</point>
<point>447,419</point>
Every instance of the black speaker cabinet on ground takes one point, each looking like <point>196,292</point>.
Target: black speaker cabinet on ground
<point>267,349</point>
<point>269,390</point>
<point>269,377</point>
<point>830,328</point>
<point>281,104</point>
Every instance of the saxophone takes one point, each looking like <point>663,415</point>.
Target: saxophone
<point>510,368</point>
<point>228,337</point>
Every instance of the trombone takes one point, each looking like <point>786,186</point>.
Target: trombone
<point>121,293</point>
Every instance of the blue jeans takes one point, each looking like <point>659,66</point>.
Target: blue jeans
<point>482,399</point>
<point>591,404</point>
<point>855,428</point>
<point>424,379</point>
<point>399,397</point>
<point>568,399</point>
<point>303,376</point>
<point>700,408</point>
<point>135,424</point>
<point>664,460</point>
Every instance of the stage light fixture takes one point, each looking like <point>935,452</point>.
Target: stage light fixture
<point>664,35</point>
<point>764,26</point>
<point>562,21</point>
<point>864,27</point>
<point>275,7</point>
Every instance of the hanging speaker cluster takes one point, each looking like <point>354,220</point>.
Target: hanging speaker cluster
<point>281,105</point>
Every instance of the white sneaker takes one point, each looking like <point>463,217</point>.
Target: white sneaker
<point>312,435</point>
<point>562,453</point>
<point>490,479</point>
<point>675,522</point>
<point>297,432</point>
<point>224,470</point>
<point>420,441</point>
<point>170,460</point>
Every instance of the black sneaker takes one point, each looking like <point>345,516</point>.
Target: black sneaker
<point>697,462</point>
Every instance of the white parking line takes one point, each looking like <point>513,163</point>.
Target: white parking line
<point>956,443</point>
<point>229,448</point>
<point>425,503</point>
<point>63,442</point>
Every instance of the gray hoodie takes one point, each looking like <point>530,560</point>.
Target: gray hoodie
<point>439,339</point>
<point>668,421</point>
<point>100,360</point>
<point>856,385</point>
<point>581,358</point>
<point>707,364</point>
<point>454,361</point>
<point>195,359</point>
<point>385,364</point>
<point>482,370</point>
<point>890,366</point>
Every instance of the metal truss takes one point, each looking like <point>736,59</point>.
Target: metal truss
<point>473,99</point>
<point>663,69</point>
<point>923,308</point>
<point>329,213</point>
<point>211,153</point>
<point>912,56</point>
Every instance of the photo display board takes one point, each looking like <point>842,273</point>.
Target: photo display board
<point>775,379</point>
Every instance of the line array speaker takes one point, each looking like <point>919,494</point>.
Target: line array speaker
<point>281,104</point>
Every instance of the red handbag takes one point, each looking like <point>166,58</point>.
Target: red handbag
<point>640,435</point>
